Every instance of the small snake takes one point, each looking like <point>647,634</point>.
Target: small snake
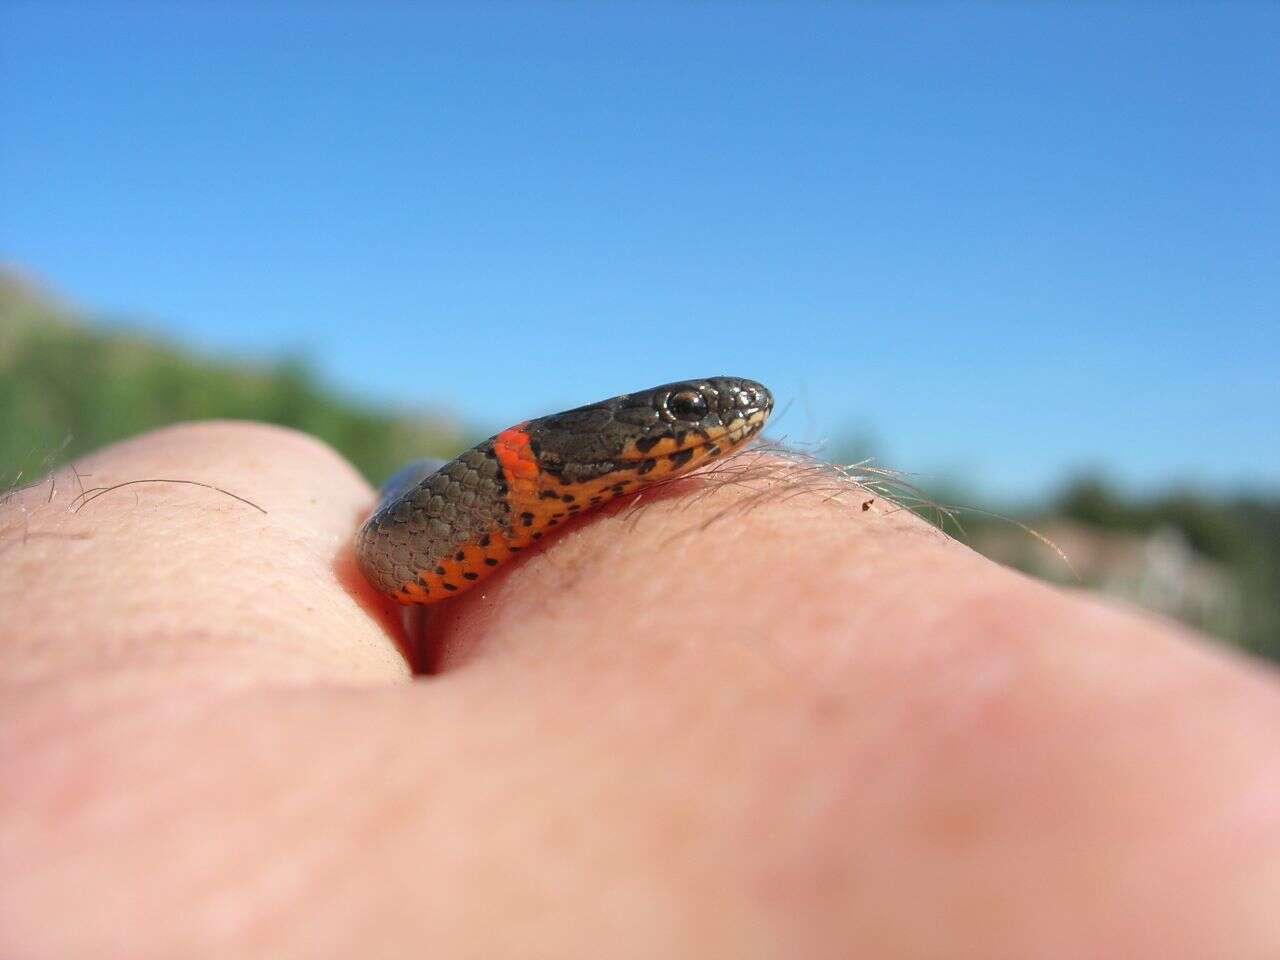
<point>439,530</point>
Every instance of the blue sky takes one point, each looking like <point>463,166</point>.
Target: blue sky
<point>1005,241</point>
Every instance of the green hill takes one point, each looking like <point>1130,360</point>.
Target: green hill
<point>68,386</point>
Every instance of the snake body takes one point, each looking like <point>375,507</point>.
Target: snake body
<point>437,532</point>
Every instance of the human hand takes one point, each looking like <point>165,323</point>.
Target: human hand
<point>746,720</point>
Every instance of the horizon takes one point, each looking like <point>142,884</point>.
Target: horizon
<point>1007,246</point>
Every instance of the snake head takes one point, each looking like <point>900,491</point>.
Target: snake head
<point>652,434</point>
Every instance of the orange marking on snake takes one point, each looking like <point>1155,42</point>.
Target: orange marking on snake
<point>515,454</point>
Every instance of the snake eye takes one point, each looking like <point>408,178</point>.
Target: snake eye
<point>687,405</point>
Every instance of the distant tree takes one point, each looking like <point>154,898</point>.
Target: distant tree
<point>67,387</point>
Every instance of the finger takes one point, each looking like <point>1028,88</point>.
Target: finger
<point>925,720</point>
<point>157,578</point>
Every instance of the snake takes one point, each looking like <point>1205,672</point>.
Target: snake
<point>439,529</point>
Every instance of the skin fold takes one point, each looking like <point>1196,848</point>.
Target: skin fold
<point>737,719</point>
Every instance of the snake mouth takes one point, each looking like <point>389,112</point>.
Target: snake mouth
<point>681,451</point>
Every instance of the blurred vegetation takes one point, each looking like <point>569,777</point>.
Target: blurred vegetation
<point>1238,538</point>
<point>1212,562</point>
<point>67,388</point>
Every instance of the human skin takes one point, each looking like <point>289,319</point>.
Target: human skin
<point>738,719</point>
